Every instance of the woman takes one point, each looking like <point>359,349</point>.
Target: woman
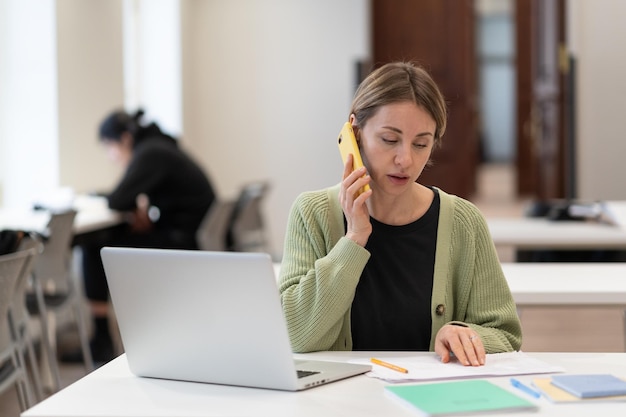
<point>401,266</point>
<point>165,195</point>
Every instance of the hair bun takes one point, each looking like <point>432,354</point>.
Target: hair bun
<point>138,115</point>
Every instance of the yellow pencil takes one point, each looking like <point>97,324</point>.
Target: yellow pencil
<point>389,365</point>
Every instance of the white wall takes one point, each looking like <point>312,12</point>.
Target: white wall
<point>61,71</point>
<point>28,101</point>
<point>596,38</point>
<point>90,84</point>
<point>266,87</point>
<point>152,61</point>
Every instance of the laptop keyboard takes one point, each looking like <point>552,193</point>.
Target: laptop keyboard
<point>302,374</point>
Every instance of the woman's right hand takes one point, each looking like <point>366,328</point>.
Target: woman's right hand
<point>354,204</point>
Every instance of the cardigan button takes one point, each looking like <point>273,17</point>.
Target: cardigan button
<point>440,310</point>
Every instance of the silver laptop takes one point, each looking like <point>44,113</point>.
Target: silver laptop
<point>212,317</point>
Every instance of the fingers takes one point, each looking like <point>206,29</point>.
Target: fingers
<point>354,205</point>
<point>479,349</point>
<point>442,350</point>
<point>463,342</point>
<point>466,350</point>
<point>354,181</point>
<point>349,194</point>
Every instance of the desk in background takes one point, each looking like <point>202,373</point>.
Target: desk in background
<point>541,233</point>
<point>113,391</point>
<point>93,215</point>
<point>589,284</point>
<point>567,284</point>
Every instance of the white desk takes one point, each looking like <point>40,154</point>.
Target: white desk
<point>113,391</point>
<point>93,214</point>
<point>579,284</point>
<point>589,284</point>
<point>540,233</point>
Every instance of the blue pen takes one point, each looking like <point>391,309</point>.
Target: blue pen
<point>528,390</point>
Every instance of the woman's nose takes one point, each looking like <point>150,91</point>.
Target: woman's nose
<point>403,156</point>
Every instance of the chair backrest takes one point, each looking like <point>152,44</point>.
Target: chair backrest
<point>11,267</point>
<point>32,245</point>
<point>246,232</point>
<point>53,266</point>
<point>11,358</point>
<point>211,234</point>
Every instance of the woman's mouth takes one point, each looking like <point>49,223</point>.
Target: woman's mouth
<point>398,179</point>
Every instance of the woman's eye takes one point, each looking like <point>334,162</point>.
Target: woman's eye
<point>420,145</point>
<point>390,141</point>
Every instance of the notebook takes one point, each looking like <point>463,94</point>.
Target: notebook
<point>590,385</point>
<point>212,317</point>
<point>475,396</point>
<point>558,395</point>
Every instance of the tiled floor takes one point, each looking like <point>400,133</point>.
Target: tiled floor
<point>545,329</point>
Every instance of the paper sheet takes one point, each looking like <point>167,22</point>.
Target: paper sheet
<point>424,368</point>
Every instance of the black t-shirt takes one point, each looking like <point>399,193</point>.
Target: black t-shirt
<point>391,308</point>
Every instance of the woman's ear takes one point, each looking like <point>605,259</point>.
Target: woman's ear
<point>355,129</point>
<point>352,119</point>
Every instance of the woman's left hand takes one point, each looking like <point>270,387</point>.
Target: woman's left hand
<point>463,342</point>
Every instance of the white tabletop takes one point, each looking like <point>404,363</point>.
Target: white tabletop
<point>591,283</point>
<point>113,391</point>
<point>540,233</point>
<point>92,214</point>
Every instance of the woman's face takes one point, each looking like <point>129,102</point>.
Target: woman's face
<point>396,144</point>
<point>119,151</point>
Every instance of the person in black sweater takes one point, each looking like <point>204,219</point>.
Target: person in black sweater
<point>164,195</point>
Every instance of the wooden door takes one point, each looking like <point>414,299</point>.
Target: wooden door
<point>439,35</point>
<point>541,120</point>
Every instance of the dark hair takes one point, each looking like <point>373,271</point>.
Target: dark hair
<point>395,82</point>
<point>119,122</point>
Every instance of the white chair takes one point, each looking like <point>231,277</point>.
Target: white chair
<point>54,290</point>
<point>12,365</point>
<point>21,328</point>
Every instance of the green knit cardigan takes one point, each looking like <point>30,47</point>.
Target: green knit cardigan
<point>321,269</point>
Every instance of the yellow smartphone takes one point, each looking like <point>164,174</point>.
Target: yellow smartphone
<point>348,145</point>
